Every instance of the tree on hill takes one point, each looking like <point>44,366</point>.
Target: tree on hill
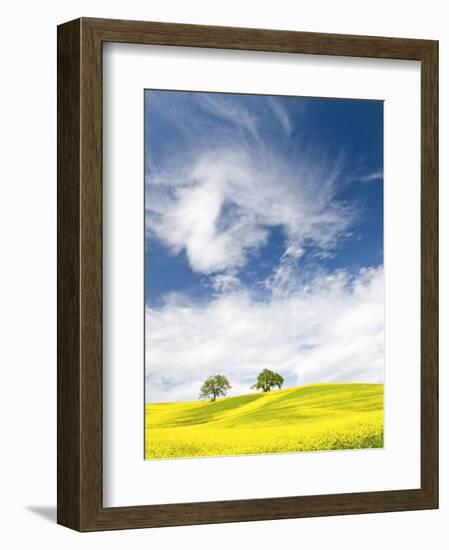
<point>268,379</point>
<point>214,386</point>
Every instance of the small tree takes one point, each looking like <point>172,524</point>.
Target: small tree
<point>268,379</point>
<point>214,386</point>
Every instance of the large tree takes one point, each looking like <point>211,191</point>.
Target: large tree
<point>214,386</point>
<point>268,379</point>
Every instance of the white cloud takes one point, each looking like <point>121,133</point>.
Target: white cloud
<point>331,329</point>
<point>220,205</point>
<point>372,176</point>
<point>225,282</point>
<point>283,279</point>
<point>225,107</point>
<point>281,114</point>
<point>218,197</point>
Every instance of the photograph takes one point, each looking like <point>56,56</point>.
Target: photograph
<point>264,275</point>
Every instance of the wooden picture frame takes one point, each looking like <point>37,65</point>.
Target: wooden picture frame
<point>80,503</point>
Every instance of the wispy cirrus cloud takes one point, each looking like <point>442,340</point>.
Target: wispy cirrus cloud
<point>219,207</point>
<point>377,175</point>
<point>280,113</point>
<point>226,108</point>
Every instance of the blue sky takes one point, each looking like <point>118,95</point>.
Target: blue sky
<point>260,210</point>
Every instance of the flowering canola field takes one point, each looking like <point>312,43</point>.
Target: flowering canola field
<point>301,418</point>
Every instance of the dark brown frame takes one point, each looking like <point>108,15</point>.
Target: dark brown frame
<point>80,274</point>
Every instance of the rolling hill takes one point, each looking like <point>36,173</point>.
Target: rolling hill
<point>301,418</point>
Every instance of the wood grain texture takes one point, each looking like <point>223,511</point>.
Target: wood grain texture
<point>144,32</point>
<point>80,274</point>
<point>69,407</point>
<point>429,271</point>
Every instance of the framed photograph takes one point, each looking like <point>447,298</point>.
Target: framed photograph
<point>247,274</point>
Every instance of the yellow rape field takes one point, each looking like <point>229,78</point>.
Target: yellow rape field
<point>302,418</point>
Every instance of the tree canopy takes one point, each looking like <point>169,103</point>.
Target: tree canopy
<point>214,386</point>
<point>268,379</point>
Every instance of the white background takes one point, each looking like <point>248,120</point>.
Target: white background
<point>128,479</point>
<point>28,273</point>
